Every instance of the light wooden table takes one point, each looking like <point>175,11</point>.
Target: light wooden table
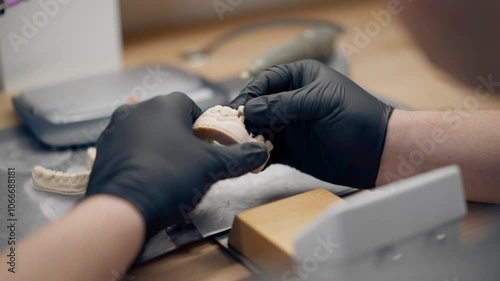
<point>391,65</point>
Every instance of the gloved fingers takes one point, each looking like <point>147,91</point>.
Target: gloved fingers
<point>177,103</point>
<point>174,106</point>
<point>239,159</point>
<point>269,81</point>
<point>280,78</point>
<point>285,107</point>
<point>154,117</point>
<point>273,80</point>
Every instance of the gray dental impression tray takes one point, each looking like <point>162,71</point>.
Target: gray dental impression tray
<point>76,112</point>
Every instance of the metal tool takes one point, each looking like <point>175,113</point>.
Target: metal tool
<point>222,240</point>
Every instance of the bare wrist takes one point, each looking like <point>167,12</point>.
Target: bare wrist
<point>396,129</point>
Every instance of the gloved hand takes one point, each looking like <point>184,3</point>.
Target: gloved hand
<point>319,122</point>
<point>149,156</point>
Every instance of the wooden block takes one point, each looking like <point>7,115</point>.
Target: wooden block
<point>265,234</point>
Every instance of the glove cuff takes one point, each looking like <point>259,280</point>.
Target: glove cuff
<point>369,164</point>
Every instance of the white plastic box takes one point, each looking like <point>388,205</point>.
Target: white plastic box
<point>48,41</point>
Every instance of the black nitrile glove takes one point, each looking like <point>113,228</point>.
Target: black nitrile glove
<point>149,156</point>
<point>319,122</point>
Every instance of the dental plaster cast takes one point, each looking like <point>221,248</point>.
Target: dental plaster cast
<point>220,125</point>
<point>63,183</point>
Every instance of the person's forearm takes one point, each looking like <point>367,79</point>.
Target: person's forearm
<point>419,141</point>
<point>97,240</point>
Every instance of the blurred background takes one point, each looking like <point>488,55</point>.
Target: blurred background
<point>139,16</point>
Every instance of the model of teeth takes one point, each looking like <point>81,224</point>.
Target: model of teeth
<point>225,126</point>
<point>220,125</point>
<point>63,183</point>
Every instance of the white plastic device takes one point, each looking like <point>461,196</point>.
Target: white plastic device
<point>379,233</point>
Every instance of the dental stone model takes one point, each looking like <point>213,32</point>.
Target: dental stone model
<point>63,183</point>
<point>220,125</point>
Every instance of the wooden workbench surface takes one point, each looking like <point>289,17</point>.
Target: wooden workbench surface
<point>390,64</point>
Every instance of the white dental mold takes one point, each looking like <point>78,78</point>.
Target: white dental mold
<point>226,126</point>
<point>63,183</point>
<point>59,182</point>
